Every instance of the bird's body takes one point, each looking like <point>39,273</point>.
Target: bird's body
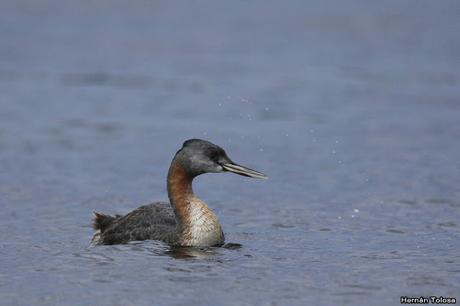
<point>186,220</point>
<point>155,221</point>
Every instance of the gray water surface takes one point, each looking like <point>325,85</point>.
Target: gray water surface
<point>352,108</point>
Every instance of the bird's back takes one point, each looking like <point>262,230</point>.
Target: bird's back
<point>150,222</point>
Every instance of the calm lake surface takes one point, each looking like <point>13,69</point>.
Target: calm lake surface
<point>352,108</point>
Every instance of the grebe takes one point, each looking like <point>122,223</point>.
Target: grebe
<point>187,221</point>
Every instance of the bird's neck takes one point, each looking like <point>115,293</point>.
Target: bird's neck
<point>180,191</point>
<point>198,223</point>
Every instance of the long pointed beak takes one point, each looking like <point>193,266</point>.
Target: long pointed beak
<point>241,170</point>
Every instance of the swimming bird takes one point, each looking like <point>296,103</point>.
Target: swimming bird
<point>186,220</point>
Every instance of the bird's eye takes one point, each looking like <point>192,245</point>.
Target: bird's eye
<point>213,155</point>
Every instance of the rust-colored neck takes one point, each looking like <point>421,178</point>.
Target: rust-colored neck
<point>180,191</point>
<point>198,225</point>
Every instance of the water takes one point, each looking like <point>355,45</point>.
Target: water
<point>351,108</point>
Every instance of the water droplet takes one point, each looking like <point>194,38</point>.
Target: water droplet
<point>356,210</point>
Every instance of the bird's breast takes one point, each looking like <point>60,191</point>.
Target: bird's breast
<point>202,227</point>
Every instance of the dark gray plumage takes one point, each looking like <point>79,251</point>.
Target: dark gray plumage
<point>150,222</point>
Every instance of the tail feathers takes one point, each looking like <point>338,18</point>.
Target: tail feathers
<point>102,221</point>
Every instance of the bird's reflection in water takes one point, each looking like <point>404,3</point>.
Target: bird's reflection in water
<point>199,253</point>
